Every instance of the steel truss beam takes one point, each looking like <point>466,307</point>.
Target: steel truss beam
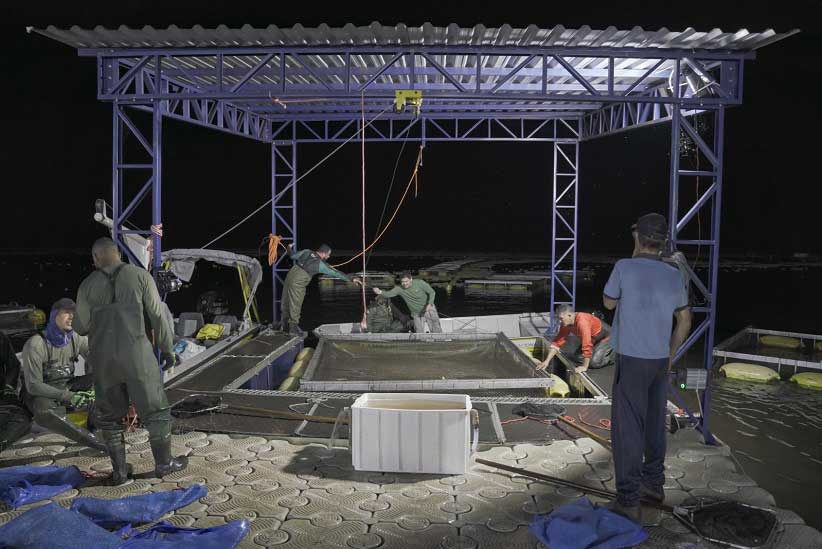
<point>125,204</point>
<point>476,128</point>
<point>564,220</point>
<point>283,210</point>
<point>215,114</point>
<point>698,159</point>
<point>489,75</point>
<point>691,79</point>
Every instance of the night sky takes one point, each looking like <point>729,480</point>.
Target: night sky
<point>473,196</point>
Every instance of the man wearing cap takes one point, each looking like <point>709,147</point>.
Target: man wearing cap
<point>648,295</point>
<point>307,264</point>
<point>113,304</point>
<point>49,359</point>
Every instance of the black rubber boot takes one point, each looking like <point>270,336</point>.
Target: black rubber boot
<point>61,426</point>
<point>655,494</point>
<point>164,464</point>
<point>632,513</point>
<point>120,469</point>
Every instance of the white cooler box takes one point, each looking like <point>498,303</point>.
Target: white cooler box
<point>412,433</point>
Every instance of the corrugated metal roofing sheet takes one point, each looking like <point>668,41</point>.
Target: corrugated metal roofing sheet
<point>376,34</point>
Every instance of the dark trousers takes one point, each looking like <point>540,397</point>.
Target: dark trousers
<point>15,423</point>
<point>638,431</point>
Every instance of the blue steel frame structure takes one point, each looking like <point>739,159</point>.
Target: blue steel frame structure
<point>288,96</point>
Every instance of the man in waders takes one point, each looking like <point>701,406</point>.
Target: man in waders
<point>49,359</point>
<point>307,264</point>
<point>380,317</point>
<point>589,344</point>
<point>112,303</point>
<point>419,296</point>
<point>15,421</point>
<point>647,295</point>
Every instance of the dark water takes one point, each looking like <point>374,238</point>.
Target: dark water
<point>775,430</point>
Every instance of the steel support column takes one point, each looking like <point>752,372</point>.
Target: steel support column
<point>564,215</point>
<point>283,210</point>
<point>125,204</point>
<point>688,164</point>
<point>157,183</point>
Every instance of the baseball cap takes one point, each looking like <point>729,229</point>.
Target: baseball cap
<point>652,226</point>
<point>63,304</point>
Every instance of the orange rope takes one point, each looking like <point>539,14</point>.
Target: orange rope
<point>274,241</point>
<point>284,104</point>
<point>526,418</point>
<point>394,215</point>
<point>604,424</point>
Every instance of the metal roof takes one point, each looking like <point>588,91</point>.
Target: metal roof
<point>463,71</point>
<point>427,34</point>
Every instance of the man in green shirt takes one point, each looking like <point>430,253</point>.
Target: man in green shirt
<point>419,296</point>
<point>307,264</point>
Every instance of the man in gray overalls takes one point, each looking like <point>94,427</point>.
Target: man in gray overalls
<point>112,303</point>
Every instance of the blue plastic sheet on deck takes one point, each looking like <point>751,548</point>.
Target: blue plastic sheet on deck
<point>27,484</point>
<point>112,513</point>
<point>581,525</point>
<point>168,536</point>
<point>51,526</point>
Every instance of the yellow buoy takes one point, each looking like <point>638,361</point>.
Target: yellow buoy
<point>305,354</point>
<point>38,317</point>
<point>298,369</point>
<point>780,341</point>
<point>809,380</point>
<point>290,384</point>
<point>748,372</point>
<point>559,389</point>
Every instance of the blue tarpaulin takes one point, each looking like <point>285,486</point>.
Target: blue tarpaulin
<point>581,525</point>
<point>136,509</point>
<point>168,536</point>
<point>54,527</point>
<point>51,526</point>
<point>28,484</point>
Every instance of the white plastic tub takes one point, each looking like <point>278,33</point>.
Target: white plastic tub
<point>411,433</point>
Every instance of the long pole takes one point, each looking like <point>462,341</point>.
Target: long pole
<point>607,494</point>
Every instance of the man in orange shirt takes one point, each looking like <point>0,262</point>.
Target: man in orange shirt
<point>593,340</point>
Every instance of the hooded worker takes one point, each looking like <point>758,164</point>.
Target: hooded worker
<point>48,365</point>
<point>112,303</point>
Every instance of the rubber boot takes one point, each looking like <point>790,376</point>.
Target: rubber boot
<point>164,464</point>
<point>632,513</point>
<point>120,469</point>
<point>61,426</point>
<point>294,329</point>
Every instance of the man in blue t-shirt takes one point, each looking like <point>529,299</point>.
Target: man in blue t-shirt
<point>648,295</point>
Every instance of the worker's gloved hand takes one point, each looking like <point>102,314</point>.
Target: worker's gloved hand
<point>88,394</point>
<point>167,360</point>
<point>78,400</point>
<point>357,281</point>
<point>377,291</point>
